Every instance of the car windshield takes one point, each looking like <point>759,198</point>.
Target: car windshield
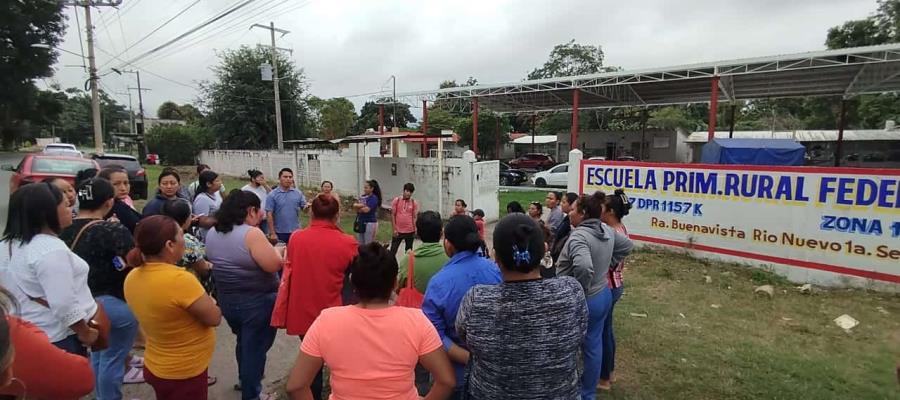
<point>59,147</point>
<point>59,166</point>
<point>128,164</point>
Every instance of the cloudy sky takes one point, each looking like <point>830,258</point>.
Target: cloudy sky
<point>352,47</point>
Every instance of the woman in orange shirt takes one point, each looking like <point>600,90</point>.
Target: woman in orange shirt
<point>26,375</point>
<point>372,347</point>
<point>177,315</point>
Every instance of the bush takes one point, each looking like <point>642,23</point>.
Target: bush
<point>178,144</point>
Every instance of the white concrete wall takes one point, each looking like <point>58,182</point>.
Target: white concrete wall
<point>460,177</point>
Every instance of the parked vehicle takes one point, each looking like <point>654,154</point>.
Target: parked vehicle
<point>152,159</point>
<point>62,149</point>
<point>136,174</point>
<point>556,176</point>
<point>510,176</point>
<point>533,161</point>
<point>626,158</point>
<point>598,158</point>
<point>38,167</point>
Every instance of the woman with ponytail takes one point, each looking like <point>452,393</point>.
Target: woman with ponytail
<point>523,334</point>
<point>615,208</point>
<point>446,289</point>
<point>177,315</point>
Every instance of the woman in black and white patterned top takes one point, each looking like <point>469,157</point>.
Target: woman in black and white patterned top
<point>524,334</point>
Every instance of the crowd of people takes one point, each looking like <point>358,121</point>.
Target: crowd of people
<point>528,318</point>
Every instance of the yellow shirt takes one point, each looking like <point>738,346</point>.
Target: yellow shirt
<point>178,345</point>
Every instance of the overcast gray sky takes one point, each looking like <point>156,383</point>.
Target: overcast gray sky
<point>352,47</point>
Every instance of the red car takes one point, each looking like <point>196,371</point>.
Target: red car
<point>37,167</point>
<point>533,161</point>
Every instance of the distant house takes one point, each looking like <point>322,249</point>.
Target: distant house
<point>149,123</point>
<point>658,145</point>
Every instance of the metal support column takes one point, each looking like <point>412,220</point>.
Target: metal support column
<point>713,107</point>
<point>533,130</point>
<point>842,121</point>
<point>381,119</point>
<point>574,134</point>
<point>475,126</point>
<point>732,117</point>
<point>643,132</point>
<point>425,128</point>
<point>497,140</point>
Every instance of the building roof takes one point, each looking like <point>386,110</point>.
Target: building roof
<point>844,72</point>
<point>802,136</point>
<point>539,139</point>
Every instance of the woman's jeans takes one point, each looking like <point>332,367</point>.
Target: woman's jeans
<point>369,235</point>
<point>249,317</point>
<point>599,306</point>
<point>109,364</point>
<point>609,339</point>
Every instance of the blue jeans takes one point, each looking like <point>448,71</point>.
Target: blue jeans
<point>369,235</point>
<point>109,365</point>
<point>71,344</point>
<point>598,306</point>
<point>249,317</point>
<point>284,237</point>
<point>609,338</point>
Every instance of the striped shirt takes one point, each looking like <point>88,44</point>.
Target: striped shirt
<point>524,338</point>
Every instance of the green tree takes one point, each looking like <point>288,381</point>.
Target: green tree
<point>487,132</point>
<point>571,59</point>
<point>184,112</point>
<point>71,119</point>
<point>179,144</point>
<point>168,110</point>
<point>334,118</point>
<point>368,116</point>
<point>671,118</point>
<point>241,105</point>
<point>24,24</point>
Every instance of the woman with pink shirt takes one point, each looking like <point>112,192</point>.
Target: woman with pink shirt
<point>403,215</point>
<point>372,347</point>
<point>614,210</point>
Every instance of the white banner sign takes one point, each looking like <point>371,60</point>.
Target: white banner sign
<point>840,220</point>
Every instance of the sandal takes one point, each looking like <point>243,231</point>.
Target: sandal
<point>211,380</point>
<point>133,375</point>
<point>136,362</point>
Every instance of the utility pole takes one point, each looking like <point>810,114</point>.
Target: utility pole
<point>92,71</point>
<point>142,149</point>
<point>394,123</point>
<point>275,79</point>
<point>95,94</point>
<point>130,110</point>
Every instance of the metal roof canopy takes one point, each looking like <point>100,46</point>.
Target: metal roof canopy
<point>844,72</point>
<point>361,139</point>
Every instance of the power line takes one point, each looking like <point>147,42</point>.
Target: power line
<point>163,25</point>
<point>227,28</point>
<point>192,30</point>
<point>122,31</point>
<point>80,40</point>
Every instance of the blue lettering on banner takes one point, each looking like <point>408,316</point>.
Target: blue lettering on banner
<point>837,190</point>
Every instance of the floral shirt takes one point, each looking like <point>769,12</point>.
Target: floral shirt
<point>194,251</point>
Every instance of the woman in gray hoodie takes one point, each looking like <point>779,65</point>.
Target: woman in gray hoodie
<point>587,255</point>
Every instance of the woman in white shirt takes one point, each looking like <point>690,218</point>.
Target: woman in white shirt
<point>47,279</point>
<point>207,201</point>
<point>261,189</point>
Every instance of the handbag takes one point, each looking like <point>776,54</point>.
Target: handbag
<point>279,311</point>
<point>359,226</point>
<point>410,296</point>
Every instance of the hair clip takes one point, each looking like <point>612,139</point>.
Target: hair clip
<point>624,198</point>
<point>521,257</point>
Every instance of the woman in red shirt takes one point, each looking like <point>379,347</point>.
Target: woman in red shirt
<point>25,353</point>
<point>318,258</point>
